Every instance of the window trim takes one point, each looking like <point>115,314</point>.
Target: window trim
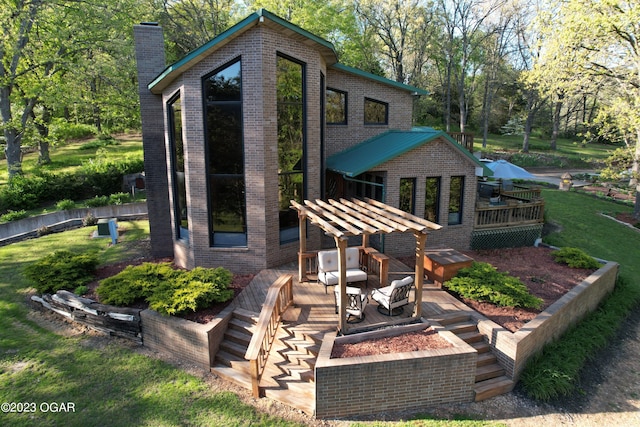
<point>386,112</point>
<point>182,234</point>
<point>413,182</point>
<point>461,201</point>
<point>438,201</point>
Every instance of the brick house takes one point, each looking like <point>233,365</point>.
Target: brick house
<point>264,113</point>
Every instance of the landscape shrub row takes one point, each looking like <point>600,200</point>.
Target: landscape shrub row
<point>167,290</point>
<point>61,270</point>
<point>95,178</point>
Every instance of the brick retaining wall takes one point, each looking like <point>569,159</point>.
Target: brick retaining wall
<point>514,349</point>
<point>392,382</point>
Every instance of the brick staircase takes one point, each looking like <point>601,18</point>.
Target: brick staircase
<point>490,376</point>
<point>289,374</point>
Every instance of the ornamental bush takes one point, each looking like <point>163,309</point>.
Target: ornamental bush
<point>483,282</point>
<point>61,270</point>
<point>575,258</point>
<point>167,290</point>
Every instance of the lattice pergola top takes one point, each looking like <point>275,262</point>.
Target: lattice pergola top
<point>344,218</point>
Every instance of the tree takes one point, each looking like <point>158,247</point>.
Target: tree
<point>603,41</point>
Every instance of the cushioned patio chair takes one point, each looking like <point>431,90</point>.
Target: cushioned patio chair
<point>328,267</point>
<point>392,299</point>
<point>357,300</point>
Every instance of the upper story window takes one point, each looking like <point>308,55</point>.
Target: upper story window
<point>336,107</point>
<point>179,188</point>
<point>291,142</point>
<point>222,92</point>
<point>375,112</point>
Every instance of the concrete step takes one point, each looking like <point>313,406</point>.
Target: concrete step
<point>493,387</point>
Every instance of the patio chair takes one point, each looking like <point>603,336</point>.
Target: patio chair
<point>328,267</point>
<point>392,299</point>
<point>357,300</point>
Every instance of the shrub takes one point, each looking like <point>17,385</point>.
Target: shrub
<point>14,216</point>
<point>119,198</point>
<point>167,291</point>
<point>65,204</point>
<point>89,220</point>
<point>81,290</point>
<point>575,258</point>
<point>64,130</point>
<point>97,201</point>
<point>483,282</point>
<point>61,270</point>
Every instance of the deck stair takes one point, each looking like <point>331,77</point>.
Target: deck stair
<point>289,374</point>
<point>490,376</point>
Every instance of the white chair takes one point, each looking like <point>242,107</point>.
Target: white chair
<point>328,267</point>
<point>357,300</point>
<point>391,299</point>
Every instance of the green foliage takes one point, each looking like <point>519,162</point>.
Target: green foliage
<point>61,270</point>
<point>119,198</point>
<point>554,371</point>
<point>168,291</point>
<point>97,201</point>
<point>13,216</point>
<point>575,258</point>
<point>64,130</point>
<point>98,143</point>
<point>483,282</point>
<point>65,204</point>
<point>81,290</point>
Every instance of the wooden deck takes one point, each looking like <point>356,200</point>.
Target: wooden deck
<point>314,309</point>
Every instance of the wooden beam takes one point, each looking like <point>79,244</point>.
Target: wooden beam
<point>318,220</point>
<point>350,228</point>
<point>399,224</point>
<point>341,244</point>
<point>364,227</point>
<point>421,240</point>
<point>405,215</point>
<point>354,210</point>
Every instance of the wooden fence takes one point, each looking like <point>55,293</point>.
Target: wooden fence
<point>279,298</point>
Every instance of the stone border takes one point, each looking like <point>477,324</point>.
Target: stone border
<point>392,382</point>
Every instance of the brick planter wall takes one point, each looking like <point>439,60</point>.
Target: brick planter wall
<point>392,382</point>
<point>185,340</point>
<point>514,349</point>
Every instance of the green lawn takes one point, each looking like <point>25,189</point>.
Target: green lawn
<point>68,157</point>
<point>569,153</point>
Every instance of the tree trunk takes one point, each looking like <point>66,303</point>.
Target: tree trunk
<point>556,124</point>
<point>13,152</point>
<point>528,124</point>
<point>635,171</point>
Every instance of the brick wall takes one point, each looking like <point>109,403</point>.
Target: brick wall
<point>149,45</point>
<point>393,382</point>
<point>188,341</point>
<point>515,349</point>
<point>434,159</point>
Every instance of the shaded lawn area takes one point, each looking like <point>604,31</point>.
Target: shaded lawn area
<point>108,384</point>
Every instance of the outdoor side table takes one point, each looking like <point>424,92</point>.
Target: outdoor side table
<point>442,264</point>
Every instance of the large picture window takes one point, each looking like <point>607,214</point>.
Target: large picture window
<point>375,112</point>
<point>291,142</point>
<point>177,168</point>
<point>336,107</point>
<point>456,193</point>
<point>432,199</point>
<point>225,155</point>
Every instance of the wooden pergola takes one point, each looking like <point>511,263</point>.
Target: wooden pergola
<point>343,218</point>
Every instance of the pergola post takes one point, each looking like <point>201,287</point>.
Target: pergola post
<point>302,261</point>
<point>421,240</point>
<point>341,244</point>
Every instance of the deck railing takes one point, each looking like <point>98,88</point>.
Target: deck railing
<point>522,193</point>
<point>279,298</point>
<point>511,214</point>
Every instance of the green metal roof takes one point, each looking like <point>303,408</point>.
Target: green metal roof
<point>361,73</point>
<point>387,146</point>
<point>260,16</point>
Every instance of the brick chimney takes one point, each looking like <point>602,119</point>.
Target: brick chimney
<point>150,58</point>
